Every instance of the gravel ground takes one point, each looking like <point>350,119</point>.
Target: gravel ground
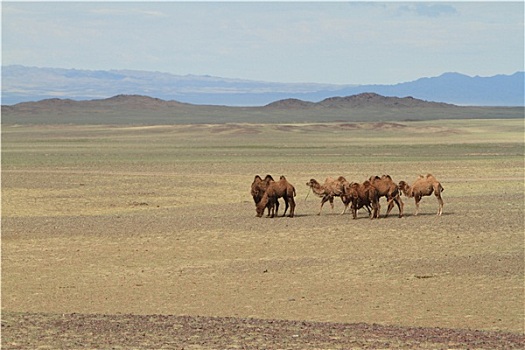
<point>81,331</point>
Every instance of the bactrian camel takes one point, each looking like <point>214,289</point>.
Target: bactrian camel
<point>327,191</point>
<point>388,189</point>
<point>423,186</point>
<point>277,189</point>
<point>259,186</point>
<point>362,195</point>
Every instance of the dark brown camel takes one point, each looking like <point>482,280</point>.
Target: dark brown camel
<point>388,189</point>
<point>362,195</point>
<point>277,189</point>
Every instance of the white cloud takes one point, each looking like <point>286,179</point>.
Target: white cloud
<point>355,42</point>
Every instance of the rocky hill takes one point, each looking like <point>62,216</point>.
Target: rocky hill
<point>138,109</point>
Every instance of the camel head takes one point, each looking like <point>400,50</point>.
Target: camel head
<point>349,189</point>
<point>404,188</point>
<point>259,208</point>
<point>312,183</point>
<point>341,185</point>
<point>256,190</point>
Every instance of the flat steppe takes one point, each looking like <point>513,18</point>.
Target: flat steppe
<point>146,237</point>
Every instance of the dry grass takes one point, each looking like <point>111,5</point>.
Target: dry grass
<point>111,220</point>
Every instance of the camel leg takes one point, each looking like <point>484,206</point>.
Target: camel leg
<point>292,207</point>
<point>274,208</point>
<point>390,206</point>
<point>375,211</point>
<point>323,201</point>
<point>332,202</point>
<point>440,201</point>
<point>368,209</point>
<point>345,204</point>
<point>417,200</point>
<point>285,205</point>
<point>400,206</point>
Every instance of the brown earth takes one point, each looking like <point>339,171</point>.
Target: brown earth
<point>146,238</point>
<point>81,331</point>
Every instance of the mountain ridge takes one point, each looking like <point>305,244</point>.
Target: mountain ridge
<point>362,100</point>
<point>23,84</point>
<point>146,110</point>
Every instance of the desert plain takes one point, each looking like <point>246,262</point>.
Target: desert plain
<point>145,236</point>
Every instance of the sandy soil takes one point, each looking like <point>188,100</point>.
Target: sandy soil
<point>110,244</point>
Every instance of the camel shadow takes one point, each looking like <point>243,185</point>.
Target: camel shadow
<point>426,214</point>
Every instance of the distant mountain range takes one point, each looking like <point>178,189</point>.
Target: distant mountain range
<point>145,110</point>
<point>23,84</point>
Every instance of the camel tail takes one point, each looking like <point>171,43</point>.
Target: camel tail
<point>440,188</point>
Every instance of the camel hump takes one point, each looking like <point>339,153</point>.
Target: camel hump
<point>257,178</point>
<point>341,178</point>
<point>386,177</point>
<point>374,178</point>
<point>268,177</point>
<point>431,178</point>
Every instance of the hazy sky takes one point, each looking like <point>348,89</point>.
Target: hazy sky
<point>324,42</point>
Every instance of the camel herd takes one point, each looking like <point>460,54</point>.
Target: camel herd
<point>267,191</point>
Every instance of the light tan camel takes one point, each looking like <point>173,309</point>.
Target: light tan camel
<point>277,189</point>
<point>423,186</point>
<point>388,189</point>
<point>327,191</point>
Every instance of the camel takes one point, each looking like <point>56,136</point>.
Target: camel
<point>259,187</point>
<point>423,186</point>
<point>388,189</point>
<point>327,191</point>
<point>363,195</point>
<point>277,189</point>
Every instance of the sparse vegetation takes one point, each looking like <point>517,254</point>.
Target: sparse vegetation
<point>134,236</point>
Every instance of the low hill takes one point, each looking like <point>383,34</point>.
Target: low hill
<point>144,110</point>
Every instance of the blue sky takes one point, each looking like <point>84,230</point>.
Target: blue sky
<point>322,42</point>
